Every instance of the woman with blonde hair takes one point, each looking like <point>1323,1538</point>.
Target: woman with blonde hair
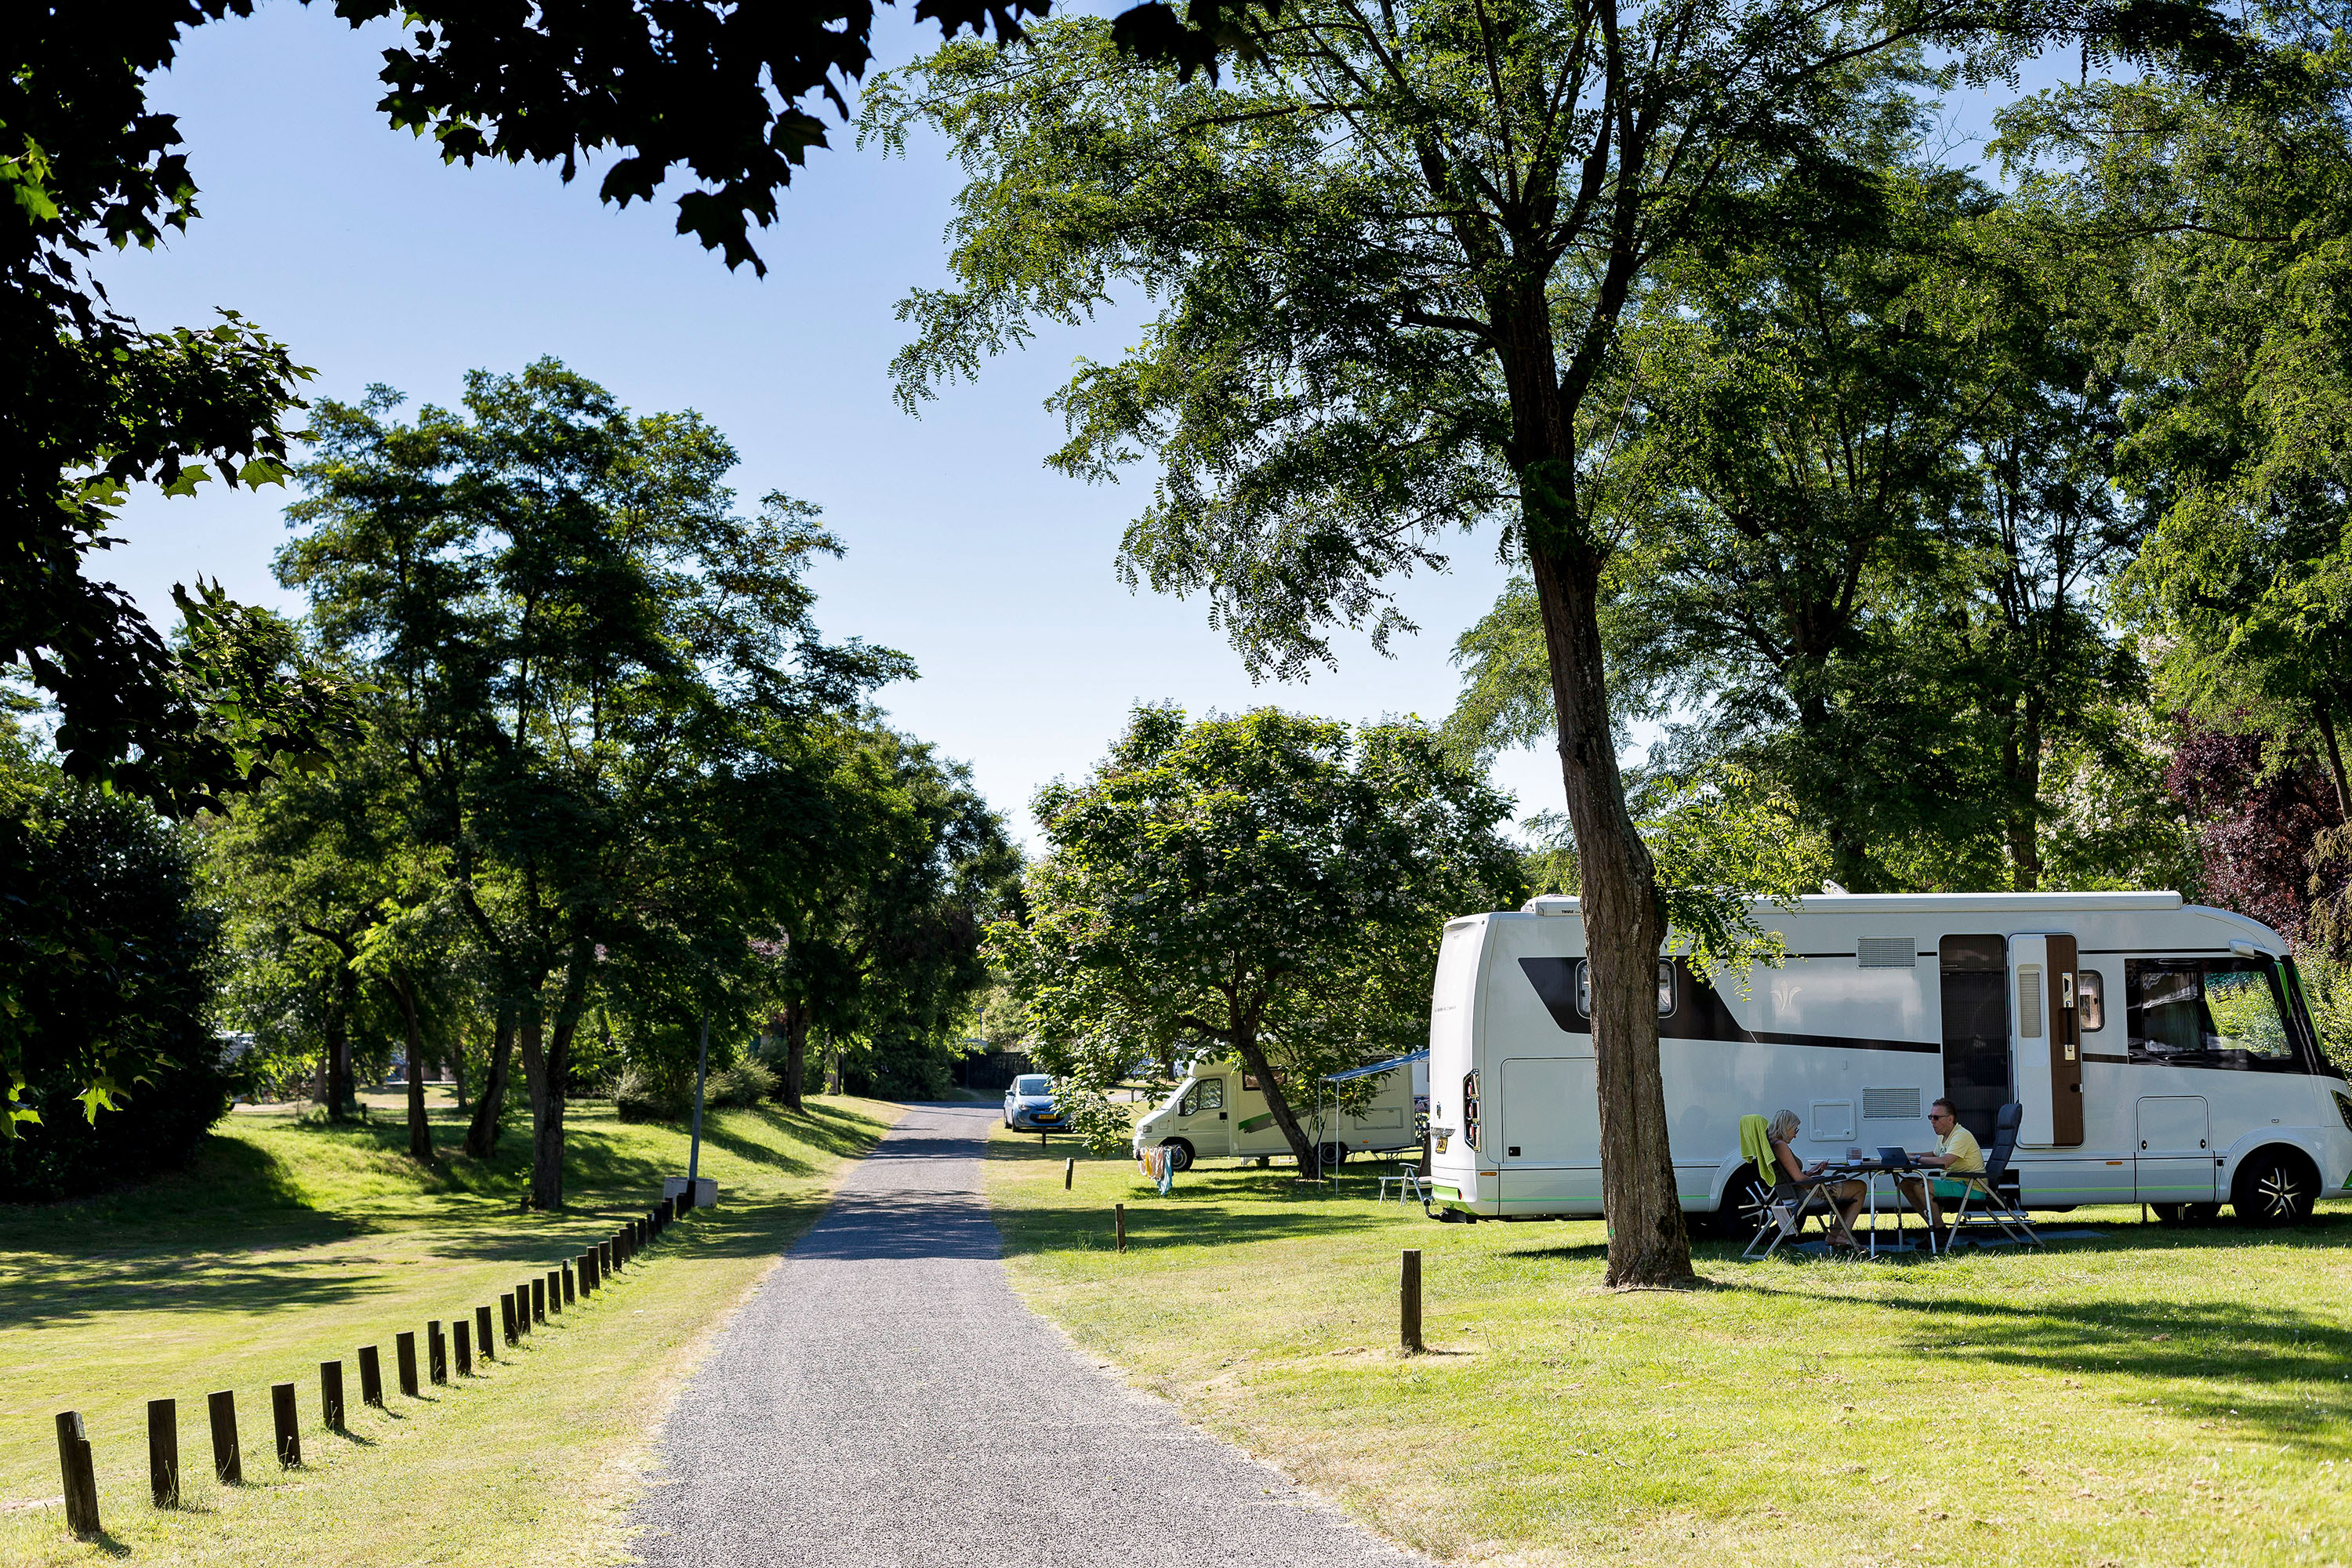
<point>1847,1195</point>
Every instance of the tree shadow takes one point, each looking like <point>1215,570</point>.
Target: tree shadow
<point>2274,1371</point>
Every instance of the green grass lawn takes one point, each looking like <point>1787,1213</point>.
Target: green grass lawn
<point>2152,1396</point>
<point>290,1242</point>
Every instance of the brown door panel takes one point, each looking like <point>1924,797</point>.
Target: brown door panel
<point>2066,1046</point>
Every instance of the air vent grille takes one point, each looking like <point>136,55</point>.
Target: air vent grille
<point>2029,1003</point>
<point>1890,1104</point>
<point>1887,951</point>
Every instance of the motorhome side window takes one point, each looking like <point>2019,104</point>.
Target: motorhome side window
<point>1249,1080</point>
<point>1665,988</point>
<point>2207,1012</point>
<point>1213,1094</point>
<point>1192,1101</point>
<point>2090,1000</point>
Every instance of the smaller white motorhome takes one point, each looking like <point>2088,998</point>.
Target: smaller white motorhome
<point>2161,1052</point>
<point>1219,1111</point>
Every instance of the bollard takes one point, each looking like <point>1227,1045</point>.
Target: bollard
<point>228,1460</point>
<point>506,1316</point>
<point>404,1346</point>
<point>538,1302</point>
<point>1118,1218</point>
<point>1409,1300</point>
<point>80,1474</point>
<point>460,1332</point>
<point>482,1332</point>
<point>289,1429</point>
<point>1069,1170</point>
<point>588,1272</point>
<point>556,1292</point>
<point>523,1310</point>
<point>163,1451</point>
<point>371,1377</point>
<point>567,1282</point>
<point>437,1352</point>
<point>604,1260</point>
<point>330,1394</point>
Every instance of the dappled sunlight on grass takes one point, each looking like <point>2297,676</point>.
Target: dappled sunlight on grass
<point>2110,1400</point>
<point>290,1241</point>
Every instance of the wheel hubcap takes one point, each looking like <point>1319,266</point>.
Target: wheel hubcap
<point>2277,1192</point>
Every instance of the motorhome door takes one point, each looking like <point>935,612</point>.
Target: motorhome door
<point>1975,982</point>
<point>2049,1039</point>
<point>1201,1116</point>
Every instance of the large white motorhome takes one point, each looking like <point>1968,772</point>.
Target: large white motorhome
<point>2162,1053</point>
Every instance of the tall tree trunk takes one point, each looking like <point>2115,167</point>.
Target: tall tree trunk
<point>2335,761</point>
<point>796,1021</point>
<point>2021,760</point>
<point>1308,1154</point>
<point>337,1069</point>
<point>547,1065</point>
<point>482,1133</point>
<point>1623,921</point>
<point>420,1133</point>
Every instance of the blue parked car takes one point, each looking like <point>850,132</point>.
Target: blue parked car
<point>1029,1105</point>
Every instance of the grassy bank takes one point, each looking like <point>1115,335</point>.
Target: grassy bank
<point>2151,1396</point>
<point>289,1243</point>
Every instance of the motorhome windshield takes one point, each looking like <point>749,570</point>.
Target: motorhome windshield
<point>2299,1003</point>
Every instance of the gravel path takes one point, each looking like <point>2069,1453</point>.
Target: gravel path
<point>887,1400</point>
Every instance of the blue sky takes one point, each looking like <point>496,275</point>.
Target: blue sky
<point>377,263</point>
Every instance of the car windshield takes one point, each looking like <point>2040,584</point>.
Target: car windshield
<point>1038,1084</point>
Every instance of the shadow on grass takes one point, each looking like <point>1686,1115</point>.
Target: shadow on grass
<point>2274,1372</point>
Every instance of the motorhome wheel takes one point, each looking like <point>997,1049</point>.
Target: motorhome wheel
<point>1180,1154</point>
<point>1741,1214</point>
<point>2275,1186</point>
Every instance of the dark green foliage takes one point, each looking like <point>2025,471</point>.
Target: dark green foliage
<point>106,966</point>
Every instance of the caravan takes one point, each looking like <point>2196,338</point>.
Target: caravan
<point>2163,1053</point>
<point>1219,1110</point>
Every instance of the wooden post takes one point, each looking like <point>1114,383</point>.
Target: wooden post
<point>1069,1170</point>
<point>1119,1220</point>
<point>371,1377</point>
<point>228,1459</point>
<point>538,1302</point>
<point>588,1272</point>
<point>163,1451</point>
<point>604,1260</point>
<point>1409,1300</point>
<point>461,1334</point>
<point>404,1345</point>
<point>290,1428</point>
<point>482,1332</point>
<point>331,1393</point>
<point>506,1316</point>
<point>556,1292</point>
<point>522,1308</point>
<point>567,1282</point>
<point>437,1352</point>
<point>80,1474</point>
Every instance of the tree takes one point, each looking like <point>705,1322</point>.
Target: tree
<point>1393,251</point>
<point>108,961</point>
<point>1271,885</point>
<point>583,651</point>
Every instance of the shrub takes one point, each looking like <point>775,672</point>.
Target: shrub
<point>649,1094</point>
<point>745,1083</point>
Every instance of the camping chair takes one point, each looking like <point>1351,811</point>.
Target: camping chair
<point>1995,1210</point>
<point>1786,1209</point>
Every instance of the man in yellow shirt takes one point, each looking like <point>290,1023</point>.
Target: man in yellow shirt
<point>1957,1150</point>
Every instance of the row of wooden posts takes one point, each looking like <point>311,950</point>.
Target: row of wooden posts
<point>518,1309</point>
<point>1408,1278</point>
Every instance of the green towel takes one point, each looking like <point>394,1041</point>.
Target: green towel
<point>1756,1145</point>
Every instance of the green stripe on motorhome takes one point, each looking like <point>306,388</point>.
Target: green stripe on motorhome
<point>1259,1123</point>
